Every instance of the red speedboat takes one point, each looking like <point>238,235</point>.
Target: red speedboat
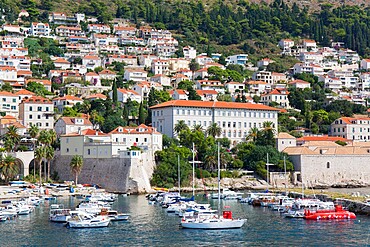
<point>337,213</point>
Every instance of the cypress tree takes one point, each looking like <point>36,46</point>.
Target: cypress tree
<point>141,113</point>
<point>114,93</point>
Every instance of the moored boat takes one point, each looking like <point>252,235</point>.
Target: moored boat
<point>80,221</point>
<point>329,214</point>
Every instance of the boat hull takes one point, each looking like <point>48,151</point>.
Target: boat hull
<point>88,224</point>
<point>213,225</point>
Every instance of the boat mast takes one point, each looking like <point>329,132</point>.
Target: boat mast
<point>218,176</point>
<point>285,176</point>
<point>193,171</point>
<point>178,171</point>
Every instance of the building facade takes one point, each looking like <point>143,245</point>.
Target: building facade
<point>37,111</point>
<point>235,119</point>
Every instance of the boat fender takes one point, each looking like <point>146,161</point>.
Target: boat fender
<point>318,217</point>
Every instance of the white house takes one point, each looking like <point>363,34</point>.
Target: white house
<point>280,96</point>
<point>301,84</point>
<point>239,59</point>
<point>67,125</point>
<point>37,111</point>
<point>235,119</point>
<point>91,61</point>
<point>351,128</point>
<point>365,64</point>
<point>61,63</point>
<point>124,94</point>
<point>161,79</point>
<point>160,66</point>
<point>179,94</point>
<point>135,75</point>
<point>98,28</point>
<point>233,86</point>
<point>66,101</point>
<point>107,74</point>
<point>207,95</point>
<point>93,78</point>
<point>286,45</point>
<point>189,52</point>
<point>39,29</point>
<point>9,103</point>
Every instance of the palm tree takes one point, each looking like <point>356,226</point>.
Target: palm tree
<point>49,155</point>
<point>34,131</point>
<point>268,133</point>
<point>53,136</point>
<point>8,167</point>
<point>214,130</point>
<point>12,134</point>
<point>44,137</point>
<point>198,127</point>
<point>39,155</point>
<point>253,134</point>
<point>181,125</point>
<point>76,165</point>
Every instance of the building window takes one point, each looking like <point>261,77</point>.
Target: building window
<point>145,140</point>
<point>47,108</point>
<point>38,116</point>
<point>67,150</point>
<point>30,117</point>
<point>30,108</point>
<point>14,100</point>
<point>88,151</point>
<point>39,108</point>
<point>76,150</point>
<point>47,124</point>
<point>328,165</point>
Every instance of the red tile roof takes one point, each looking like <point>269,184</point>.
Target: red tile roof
<point>37,100</point>
<point>322,138</point>
<point>141,129</point>
<point>212,104</point>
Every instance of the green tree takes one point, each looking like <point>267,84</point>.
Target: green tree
<point>39,155</point>
<point>76,165</point>
<point>37,88</point>
<point>142,115</point>
<point>8,167</point>
<point>7,87</point>
<point>253,134</point>
<point>49,155</point>
<point>13,136</point>
<point>181,125</point>
<point>193,65</point>
<point>214,130</point>
<point>114,92</point>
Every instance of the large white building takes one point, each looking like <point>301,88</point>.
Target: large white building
<point>96,144</point>
<point>351,128</point>
<point>9,103</point>
<point>37,111</point>
<point>235,119</point>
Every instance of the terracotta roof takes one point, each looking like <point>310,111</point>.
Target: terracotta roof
<point>91,57</point>
<point>18,125</point>
<point>298,151</point>
<point>61,60</point>
<point>141,129</point>
<point>98,95</point>
<point>91,74</point>
<point>321,138</point>
<point>24,72</point>
<point>68,97</point>
<point>6,93</point>
<point>106,72</point>
<point>37,100</point>
<point>8,117</point>
<point>284,135</point>
<point>72,120</point>
<point>87,132</point>
<point>256,82</point>
<point>24,92</point>
<point>202,92</point>
<point>126,91</point>
<point>214,104</point>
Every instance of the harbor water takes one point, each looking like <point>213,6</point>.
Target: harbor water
<point>149,225</point>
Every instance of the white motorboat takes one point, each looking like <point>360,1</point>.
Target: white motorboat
<point>80,221</point>
<point>9,211</point>
<point>92,207</point>
<point>228,195</point>
<point>115,216</point>
<point>294,214</point>
<point>59,214</point>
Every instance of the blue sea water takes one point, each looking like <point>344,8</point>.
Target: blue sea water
<point>149,225</point>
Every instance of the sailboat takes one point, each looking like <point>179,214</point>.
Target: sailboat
<point>209,221</point>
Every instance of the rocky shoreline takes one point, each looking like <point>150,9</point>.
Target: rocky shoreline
<point>246,183</point>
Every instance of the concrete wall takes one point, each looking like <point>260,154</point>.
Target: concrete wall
<point>332,169</point>
<point>125,174</point>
